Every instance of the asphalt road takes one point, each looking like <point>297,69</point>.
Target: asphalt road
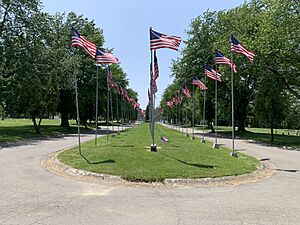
<point>29,194</point>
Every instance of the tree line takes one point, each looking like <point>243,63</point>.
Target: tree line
<point>37,62</point>
<point>267,91</point>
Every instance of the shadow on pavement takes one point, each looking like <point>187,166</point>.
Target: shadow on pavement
<point>290,171</point>
<point>264,159</point>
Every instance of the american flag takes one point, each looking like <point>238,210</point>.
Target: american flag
<point>170,103</point>
<point>81,41</point>
<point>197,82</point>
<point>132,101</point>
<point>120,90</point>
<point>149,95</point>
<point>221,59</point>
<point>179,99</point>
<point>137,105</point>
<point>158,40</point>
<point>156,70</point>
<point>238,48</point>
<point>211,73</point>
<point>125,93</point>
<point>105,58</point>
<point>154,87</point>
<point>152,82</point>
<point>186,91</point>
<point>164,139</point>
<point>109,79</point>
<point>174,100</point>
<point>161,110</point>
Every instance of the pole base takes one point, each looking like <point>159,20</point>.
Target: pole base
<point>233,154</point>
<point>187,135</point>
<point>153,148</point>
<point>202,141</point>
<point>192,138</point>
<point>216,145</point>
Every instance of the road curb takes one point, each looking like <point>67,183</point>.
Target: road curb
<point>52,164</point>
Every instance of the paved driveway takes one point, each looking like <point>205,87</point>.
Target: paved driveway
<point>29,194</point>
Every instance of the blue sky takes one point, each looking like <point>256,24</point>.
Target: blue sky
<point>126,29</point>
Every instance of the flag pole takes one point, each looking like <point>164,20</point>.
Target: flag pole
<point>153,146</point>
<point>96,117</point>
<point>122,110</point>
<point>216,145</point>
<point>233,153</point>
<point>193,137</point>
<point>150,111</point>
<point>177,115</point>
<point>112,115</point>
<point>117,98</point>
<point>172,117</point>
<point>77,105</point>
<point>181,118</point>
<point>186,120</point>
<point>107,105</point>
<point>203,117</point>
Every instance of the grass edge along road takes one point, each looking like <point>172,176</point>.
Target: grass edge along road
<point>12,130</point>
<point>128,155</point>
<point>283,138</point>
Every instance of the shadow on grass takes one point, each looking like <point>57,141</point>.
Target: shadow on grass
<point>14,136</point>
<point>100,162</point>
<point>264,139</point>
<point>191,164</point>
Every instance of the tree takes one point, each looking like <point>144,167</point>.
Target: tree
<point>36,73</point>
<point>271,101</point>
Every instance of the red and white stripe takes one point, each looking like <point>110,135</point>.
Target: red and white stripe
<point>241,50</point>
<point>86,45</point>
<point>106,58</point>
<point>199,84</point>
<point>225,60</point>
<point>213,75</point>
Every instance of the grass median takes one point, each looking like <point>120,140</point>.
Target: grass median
<point>128,155</point>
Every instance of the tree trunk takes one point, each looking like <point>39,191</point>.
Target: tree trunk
<point>240,121</point>
<point>36,126</point>
<point>272,132</point>
<point>64,120</point>
<point>210,126</point>
<point>241,127</point>
<point>40,121</point>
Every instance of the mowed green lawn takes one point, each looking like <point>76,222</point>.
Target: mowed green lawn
<point>129,156</point>
<point>20,129</point>
<point>283,138</point>
<point>287,138</point>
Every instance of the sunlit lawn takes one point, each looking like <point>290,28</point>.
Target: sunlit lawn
<point>129,156</point>
<point>283,137</point>
<point>20,129</point>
